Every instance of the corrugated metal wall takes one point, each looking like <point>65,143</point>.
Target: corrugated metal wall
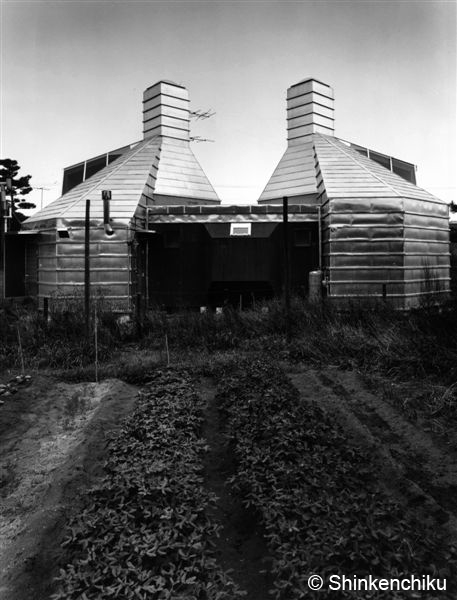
<point>375,239</point>
<point>61,264</point>
<point>426,250</point>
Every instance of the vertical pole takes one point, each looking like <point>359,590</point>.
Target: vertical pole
<point>3,212</point>
<point>147,274</point>
<point>319,216</point>
<point>87,269</point>
<point>285,228</point>
<point>46,309</point>
<point>96,339</point>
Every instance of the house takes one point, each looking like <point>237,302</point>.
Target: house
<point>355,215</point>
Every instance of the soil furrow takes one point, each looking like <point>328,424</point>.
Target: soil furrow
<point>240,546</point>
<point>411,465</point>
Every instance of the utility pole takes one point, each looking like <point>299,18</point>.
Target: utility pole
<point>285,229</point>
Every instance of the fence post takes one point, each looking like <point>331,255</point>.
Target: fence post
<point>46,309</point>
<point>87,270</point>
<point>285,226</point>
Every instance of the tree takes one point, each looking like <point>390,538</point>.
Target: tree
<point>16,187</point>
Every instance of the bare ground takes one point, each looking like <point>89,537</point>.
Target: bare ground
<point>52,441</point>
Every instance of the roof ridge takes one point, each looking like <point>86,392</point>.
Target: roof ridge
<point>154,165</point>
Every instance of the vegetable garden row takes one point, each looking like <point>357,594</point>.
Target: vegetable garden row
<point>318,497</point>
<point>145,531</point>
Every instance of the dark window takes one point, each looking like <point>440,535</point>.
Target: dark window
<point>380,159</point>
<point>404,169</point>
<point>95,165</point>
<point>72,177</point>
<point>113,157</point>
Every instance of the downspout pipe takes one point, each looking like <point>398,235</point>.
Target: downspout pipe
<point>106,217</point>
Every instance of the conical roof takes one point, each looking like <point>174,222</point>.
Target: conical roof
<point>342,169</point>
<point>345,172</point>
<point>160,169</point>
<point>295,174</point>
<point>130,177</point>
<point>180,174</point>
<point>316,162</point>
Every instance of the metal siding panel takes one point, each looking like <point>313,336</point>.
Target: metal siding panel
<point>309,119</point>
<point>309,97</point>
<point>367,259</point>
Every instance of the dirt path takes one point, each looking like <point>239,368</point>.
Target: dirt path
<point>411,464</point>
<point>52,440</point>
<point>240,545</point>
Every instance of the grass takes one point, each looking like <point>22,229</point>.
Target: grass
<point>420,345</point>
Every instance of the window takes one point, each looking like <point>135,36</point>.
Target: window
<point>240,229</point>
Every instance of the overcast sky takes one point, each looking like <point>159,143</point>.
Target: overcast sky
<point>73,74</point>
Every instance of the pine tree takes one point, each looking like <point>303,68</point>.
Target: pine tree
<point>16,187</point>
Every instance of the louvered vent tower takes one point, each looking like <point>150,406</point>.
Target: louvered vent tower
<point>309,110</point>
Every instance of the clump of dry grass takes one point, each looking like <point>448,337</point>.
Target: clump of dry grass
<point>372,338</point>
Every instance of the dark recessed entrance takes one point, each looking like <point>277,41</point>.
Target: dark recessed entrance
<point>239,294</point>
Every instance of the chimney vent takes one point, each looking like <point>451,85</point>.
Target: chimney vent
<point>309,110</point>
<point>166,111</point>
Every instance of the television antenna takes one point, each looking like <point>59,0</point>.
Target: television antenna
<point>202,114</point>
<point>197,138</point>
<point>42,189</point>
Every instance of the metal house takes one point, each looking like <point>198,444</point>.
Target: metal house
<point>160,169</point>
<point>355,215</point>
<point>382,236</point>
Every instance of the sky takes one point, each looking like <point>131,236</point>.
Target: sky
<point>73,75</point>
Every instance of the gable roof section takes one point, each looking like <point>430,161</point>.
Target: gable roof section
<point>347,173</point>
<point>130,177</point>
